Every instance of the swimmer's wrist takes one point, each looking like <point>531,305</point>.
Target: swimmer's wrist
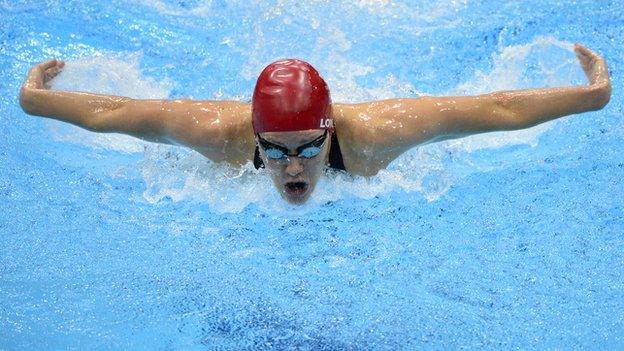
<point>599,95</point>
<point>26,99</point>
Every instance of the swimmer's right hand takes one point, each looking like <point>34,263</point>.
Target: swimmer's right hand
<point>41,74</point>
<point>38,79</point>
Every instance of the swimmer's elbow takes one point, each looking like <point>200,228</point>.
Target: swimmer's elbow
<point>600,95</point>
<point>504,115</point>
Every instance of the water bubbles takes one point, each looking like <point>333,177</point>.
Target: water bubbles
<point>112,74</point>
<point>199,8</point>
<point>509,73</point>
<point>180,174</point>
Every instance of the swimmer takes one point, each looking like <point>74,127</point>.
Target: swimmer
<point>294,131</point>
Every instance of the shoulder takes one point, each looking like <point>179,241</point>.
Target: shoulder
<point>356,134</point>
<point>373,134</point>
<point>225,132</point>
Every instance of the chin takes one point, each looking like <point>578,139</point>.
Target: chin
<point>296,199</point>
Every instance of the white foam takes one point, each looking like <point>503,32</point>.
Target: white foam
<point>180,174</point>
<point>510,68</point>
<point>426,169</point>
<point>557,67</point>
<point>426,11</point>
<point>342,76</point>
<point>112,74</point>
<point>201,10</point>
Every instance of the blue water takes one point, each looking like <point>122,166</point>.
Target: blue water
<point>504,240</point>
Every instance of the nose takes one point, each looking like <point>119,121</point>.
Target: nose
<point>294,166</point>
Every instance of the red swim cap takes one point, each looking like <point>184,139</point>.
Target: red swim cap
<point>290,95</point>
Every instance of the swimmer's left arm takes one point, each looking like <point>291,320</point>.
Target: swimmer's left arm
<point>454,117</point>
<point>512,110</point>
<point>386,129</point>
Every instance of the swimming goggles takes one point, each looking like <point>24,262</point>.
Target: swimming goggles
<point>307,150</point>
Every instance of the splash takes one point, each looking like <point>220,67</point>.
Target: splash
<point>545,62</point>
<point>180,174</point>
<point>115,73</point>
<point>181,8</point>
<point>422,12</point>
<point>111,74</point>
<point>343,77</point>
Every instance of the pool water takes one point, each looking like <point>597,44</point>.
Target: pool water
<point>501,240</point>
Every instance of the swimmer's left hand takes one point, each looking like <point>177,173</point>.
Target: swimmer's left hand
<point>597,73</point>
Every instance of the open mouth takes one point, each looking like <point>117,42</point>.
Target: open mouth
<point>296,188</point>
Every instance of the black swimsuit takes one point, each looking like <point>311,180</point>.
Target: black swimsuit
<point>335,156</point>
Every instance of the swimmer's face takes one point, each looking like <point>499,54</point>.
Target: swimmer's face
<point>294,176</point>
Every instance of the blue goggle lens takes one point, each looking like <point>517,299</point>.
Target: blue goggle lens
<point>276,152</point>
<point>308,152</point>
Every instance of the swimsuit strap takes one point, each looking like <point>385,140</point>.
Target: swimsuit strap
<point>335,156</point>
<point>257,160</point>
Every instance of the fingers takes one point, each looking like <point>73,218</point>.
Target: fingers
<point>580,49</point>
<point>593,65</point>
<point>48,64</point>
<point>586,54</point>
<point>40,74</point>
<point>51,64</point>
<point>43,66</point>
<point>50,74</point>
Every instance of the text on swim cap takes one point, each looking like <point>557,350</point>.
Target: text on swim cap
<point>326,123</point>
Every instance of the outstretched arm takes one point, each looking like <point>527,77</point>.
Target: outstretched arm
<point>217,129</point>
<point>511,110</point>
<point>394,126</point>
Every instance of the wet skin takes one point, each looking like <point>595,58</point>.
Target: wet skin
<point>295,177</point>
<point>372,134</point>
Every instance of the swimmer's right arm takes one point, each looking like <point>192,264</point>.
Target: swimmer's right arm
<point>201,125</point>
